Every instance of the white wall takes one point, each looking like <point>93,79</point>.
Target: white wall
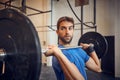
<point>117,37</point>
<point>105,21</point>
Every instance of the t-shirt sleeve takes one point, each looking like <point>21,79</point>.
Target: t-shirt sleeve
<point>68,55</point>
<point>84,55</point>
<point>57,69</point>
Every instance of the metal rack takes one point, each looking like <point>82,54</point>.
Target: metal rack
<point>81,20</point>
<point>23,7</point>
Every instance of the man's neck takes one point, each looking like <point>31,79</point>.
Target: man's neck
<point>65,45</point>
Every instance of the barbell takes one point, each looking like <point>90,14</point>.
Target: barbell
<point>20,43</point>
<point>99,42</point>
<point>20,50</point>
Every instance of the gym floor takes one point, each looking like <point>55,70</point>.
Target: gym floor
<point>47,73</point>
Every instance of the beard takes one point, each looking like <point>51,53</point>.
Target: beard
<point>65,39</point>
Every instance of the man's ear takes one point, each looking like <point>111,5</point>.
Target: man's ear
<point>57,31</point>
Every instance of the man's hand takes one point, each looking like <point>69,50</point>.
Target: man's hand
<point>52,50</point>
<point>89,48</point>
<point>84,45</point>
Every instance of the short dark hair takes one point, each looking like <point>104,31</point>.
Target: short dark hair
<point>65,18</point>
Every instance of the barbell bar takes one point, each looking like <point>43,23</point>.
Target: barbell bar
<point>3,54</point>
<point>65,48</point>
<point>68,47</point>
<point>21,50</point>
<point>96,39</point>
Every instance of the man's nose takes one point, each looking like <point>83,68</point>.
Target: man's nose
<point>67,30</point>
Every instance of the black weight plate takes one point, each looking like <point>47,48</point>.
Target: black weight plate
<point>100,43</point>
<point>20,41</point>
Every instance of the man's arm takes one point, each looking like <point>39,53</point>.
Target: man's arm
<point>70,70</point>
<point>93,63</point>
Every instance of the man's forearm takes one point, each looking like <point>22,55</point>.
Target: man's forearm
<point>69,69</point>
<point>94,56</point>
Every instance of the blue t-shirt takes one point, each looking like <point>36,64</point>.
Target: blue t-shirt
<point>77,56</point>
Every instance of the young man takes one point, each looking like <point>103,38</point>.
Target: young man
<point>69,64</point>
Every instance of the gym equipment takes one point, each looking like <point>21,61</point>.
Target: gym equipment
<point>70,47</point>
<point>99,42</point>
<point>19,47</point>
<point>20,50</point>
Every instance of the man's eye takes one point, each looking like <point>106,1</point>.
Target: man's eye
<point>71,28</point>
<point>62,28</point>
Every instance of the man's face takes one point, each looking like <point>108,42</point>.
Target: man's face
<point>65,32</point>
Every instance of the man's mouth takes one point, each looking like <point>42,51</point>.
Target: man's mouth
<point>67,37</point>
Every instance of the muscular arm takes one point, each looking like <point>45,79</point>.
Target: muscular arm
<point>70,70</point>
<point>93,63</point>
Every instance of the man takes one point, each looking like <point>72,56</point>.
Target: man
<point>69,64</point>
